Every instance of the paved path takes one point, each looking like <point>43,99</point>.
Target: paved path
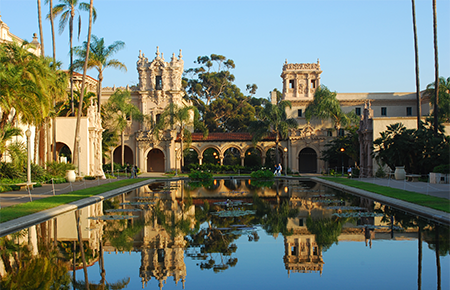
<point>15,197</point>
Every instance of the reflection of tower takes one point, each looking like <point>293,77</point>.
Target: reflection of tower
<point>164,258</point>
<point>162,254</point>
<point>301,254</point>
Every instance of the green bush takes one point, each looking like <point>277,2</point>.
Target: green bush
<point>9,171</point>
<point>444,168</point>
<point>56,169</point>
<point>200,175</point>
<point>262,174</point>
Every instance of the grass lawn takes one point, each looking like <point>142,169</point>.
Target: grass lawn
<point>433,202</point>
<point>20,210</point>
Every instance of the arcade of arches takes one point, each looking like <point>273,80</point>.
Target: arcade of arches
<point>222,149</point>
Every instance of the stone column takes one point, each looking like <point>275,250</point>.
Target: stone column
<point>200,159</point>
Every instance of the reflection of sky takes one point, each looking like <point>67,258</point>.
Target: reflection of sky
<point>349,265</point>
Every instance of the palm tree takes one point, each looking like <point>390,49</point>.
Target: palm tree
<point>67,9</point>
<point>83,84</point>
<point>181,117</point>
<point>99,58</point>
<point>6,135</point>
<point>26,82</point>
<point>52,25</point>
<point>436,71</point>
<point>273,121</point>
<point>325,105</point>
<point>416,53</point>
<point>119,112</point>
<point>444,98</point>
<point>41,32</point>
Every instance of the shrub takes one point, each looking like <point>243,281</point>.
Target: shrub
<point>444,168</point>
<point>9,171</point>
<point>200,176</point>
<point>56,169</point>
<point>262,174</point>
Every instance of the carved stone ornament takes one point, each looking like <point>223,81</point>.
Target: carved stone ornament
<point>307,131</point>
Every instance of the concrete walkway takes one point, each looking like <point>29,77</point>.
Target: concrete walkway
<point>10,198</point>
<point>437,190</point>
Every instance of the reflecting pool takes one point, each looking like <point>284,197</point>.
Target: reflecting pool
<point>230,234</point>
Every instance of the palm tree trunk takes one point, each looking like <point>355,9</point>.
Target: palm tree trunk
<point>416,52</point>
<point>71,65</point>
<point>41,33</point>
<point>99,90</point>
<point>55,158</point>
<point>122,144</point>
<point>438,260</point>
<point>436,70</point>
<point>80,241</point>
<point>419,267</point>
<point>83,84</point>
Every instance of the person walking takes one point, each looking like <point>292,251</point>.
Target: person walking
<point>280,168</point>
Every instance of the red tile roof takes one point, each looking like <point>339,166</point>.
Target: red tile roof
<point>217,137</point>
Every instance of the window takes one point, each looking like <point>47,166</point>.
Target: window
<point>383,111</point>
<point>291,84</point>
<point>330,133</point>
<point>358,111</point>
<point>299,113</point>
<point>158,83</point>
<point>313,84</point>
<point>158,116</point>
<point>341,132</point>
<point>408,111</point>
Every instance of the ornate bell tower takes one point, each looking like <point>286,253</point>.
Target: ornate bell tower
<point>300,80</point>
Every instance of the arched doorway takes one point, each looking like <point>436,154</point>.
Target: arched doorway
<point>128,155</point>
<point>155,161</point>
<point>63,152</point>
<point>307,161</point>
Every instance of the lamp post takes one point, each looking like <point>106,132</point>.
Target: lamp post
<point>28,134</point>
<point>176,161</point>
<point>112,160</point>
<point>342,159</point>
<point>285,160</point>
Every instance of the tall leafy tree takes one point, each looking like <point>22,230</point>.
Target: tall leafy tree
<point>99,58</point>
<point>209,79</point>
<point>326,106</point>
<point>273,121</point>
<point>179,118</point>
<point>68,10</point>
<point>118,114</point>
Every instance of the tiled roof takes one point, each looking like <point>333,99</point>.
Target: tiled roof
<point>217,137</point>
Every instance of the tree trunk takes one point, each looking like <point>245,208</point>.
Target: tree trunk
<point>80,241</point>
<point>55,158</point>
<point>83,84</point>
<point>99,90</point>
<point>41,32</point>
<point>416,52</point>
<point>438,260</point>
<point>436,70</point>
<point>71,66</point>
<point>122,144</point>
<point>419,267</point>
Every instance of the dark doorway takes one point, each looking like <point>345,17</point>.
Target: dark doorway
<point>307,161</point>
<point>155,161</point>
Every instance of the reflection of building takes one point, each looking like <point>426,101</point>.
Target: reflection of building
<point>302,254</point>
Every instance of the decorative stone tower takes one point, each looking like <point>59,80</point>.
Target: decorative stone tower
<point>300,80</point>
<point>159,82</point>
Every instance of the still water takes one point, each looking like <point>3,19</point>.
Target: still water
<point>231,234</point>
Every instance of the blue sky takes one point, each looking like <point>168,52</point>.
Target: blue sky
<point>363,45</point>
